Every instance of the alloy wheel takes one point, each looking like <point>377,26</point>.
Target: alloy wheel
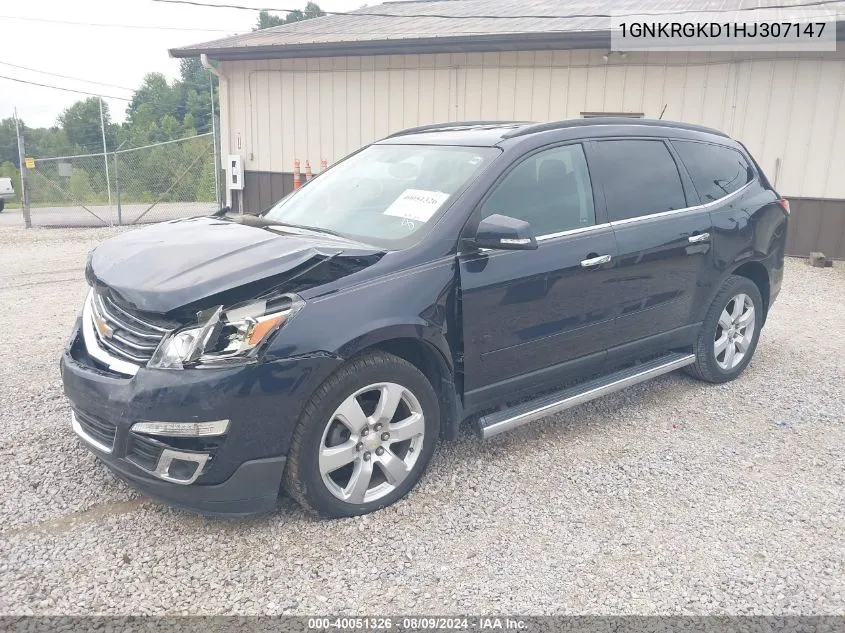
<point>371,443</point>
<point>734,332</point>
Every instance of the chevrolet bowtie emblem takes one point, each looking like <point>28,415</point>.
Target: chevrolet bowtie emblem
<point>105,330</point>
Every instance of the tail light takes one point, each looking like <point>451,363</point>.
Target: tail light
<point>784,204</point>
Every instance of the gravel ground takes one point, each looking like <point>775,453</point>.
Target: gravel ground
<point>671,497</point>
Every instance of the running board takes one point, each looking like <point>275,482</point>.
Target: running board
<point>494,423</point>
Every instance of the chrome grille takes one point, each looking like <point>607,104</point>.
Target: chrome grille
<point>122,333</point>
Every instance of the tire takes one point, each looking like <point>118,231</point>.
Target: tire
<point>727,324</point>
<point>329,482</point>
<point>2,205</point>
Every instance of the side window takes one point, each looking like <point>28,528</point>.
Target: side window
<point>550,190</point>
<point>715,170</point>
<point>640,177</point>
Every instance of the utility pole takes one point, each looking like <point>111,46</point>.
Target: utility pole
<point>216,144</point>
<point>105,154</point>
<point>27,220</point>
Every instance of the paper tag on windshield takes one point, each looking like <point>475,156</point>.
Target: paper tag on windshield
<point>416,204</point>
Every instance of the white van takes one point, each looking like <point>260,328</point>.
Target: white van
<point>7,191</point>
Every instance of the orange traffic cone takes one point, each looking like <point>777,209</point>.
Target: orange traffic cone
<point>297,176</point>
<point>324,165</point>
<point>308,174</point>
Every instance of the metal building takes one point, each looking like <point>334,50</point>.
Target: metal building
<point>321,88</point>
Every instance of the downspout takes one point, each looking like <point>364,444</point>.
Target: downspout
<point>210,67</point>
<point>206,63</point>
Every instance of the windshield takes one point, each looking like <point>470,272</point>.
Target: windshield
<point>387,195</point>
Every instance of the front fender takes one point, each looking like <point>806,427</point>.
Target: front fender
<point>390,329</point>
<point>415,304</point>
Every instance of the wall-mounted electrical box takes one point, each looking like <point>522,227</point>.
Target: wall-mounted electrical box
<point>234,172</point>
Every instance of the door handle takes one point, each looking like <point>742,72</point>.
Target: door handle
<point>595,261</point>
<point>701,237</point>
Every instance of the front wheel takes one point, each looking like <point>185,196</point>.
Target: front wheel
<point>364,439</point>
<point>730,332</point>
<point>2,205</point>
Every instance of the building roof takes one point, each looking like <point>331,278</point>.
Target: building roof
<point>434,26</point>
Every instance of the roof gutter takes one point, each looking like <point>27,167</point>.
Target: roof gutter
<point>459,44</point>
<point>402,45</point>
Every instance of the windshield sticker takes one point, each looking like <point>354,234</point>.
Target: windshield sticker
<point>416,204</point>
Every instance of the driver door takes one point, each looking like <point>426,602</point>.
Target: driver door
<point>532,318</point>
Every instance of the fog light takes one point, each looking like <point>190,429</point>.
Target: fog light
<point>182,470</point>
<point>182,429</point>
<point>180,467</point>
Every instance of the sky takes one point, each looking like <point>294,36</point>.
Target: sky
<point>110,55</point>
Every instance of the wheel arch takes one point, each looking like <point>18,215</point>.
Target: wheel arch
<point>757,273</point>
<point>430,360</point>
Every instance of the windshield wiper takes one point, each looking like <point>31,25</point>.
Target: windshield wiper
<point>265,223</point>
<point>250,220</point>
<point>313,229</point>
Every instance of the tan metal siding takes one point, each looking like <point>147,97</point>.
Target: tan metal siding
<point>787,109</point>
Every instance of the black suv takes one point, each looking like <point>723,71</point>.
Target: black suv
<point>491,271</point>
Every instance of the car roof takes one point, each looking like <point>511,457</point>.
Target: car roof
<point>494,133</point>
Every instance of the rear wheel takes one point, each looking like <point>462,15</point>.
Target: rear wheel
<point>731,329</point>
<point>364,439</point>
<point>2,205</point>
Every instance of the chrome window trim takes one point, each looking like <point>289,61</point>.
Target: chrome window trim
<point>659,214</point>
<point>580,229</point>
<point>77,428</point>
<point>698,207</point>
<point>543,238</point>
<point>93,348</point>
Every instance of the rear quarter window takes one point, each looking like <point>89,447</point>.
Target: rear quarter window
<point>716,170</point>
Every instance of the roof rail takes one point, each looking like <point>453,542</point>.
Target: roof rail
<point>558,125</point>
<point>453,124</point>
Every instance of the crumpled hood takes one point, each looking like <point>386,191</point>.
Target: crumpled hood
<point>169,265</point>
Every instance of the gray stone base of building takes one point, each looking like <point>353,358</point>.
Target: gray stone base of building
<point>816,224</point>
<point>262,189</point>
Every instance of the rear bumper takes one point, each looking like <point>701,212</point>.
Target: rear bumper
<point>237,473</point>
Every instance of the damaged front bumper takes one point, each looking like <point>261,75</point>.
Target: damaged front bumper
<point>231,473</point>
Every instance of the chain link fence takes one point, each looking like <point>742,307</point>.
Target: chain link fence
<point>163,181</point>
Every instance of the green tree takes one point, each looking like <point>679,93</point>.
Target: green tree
<point>170,128</point>
<point>8,141</point>
<point>80,186</point>
<point>81,124</point>
<point>312,10</point>
<point>195,86</point>
<point>53,141</point>
<point>153,100</point>
<point>267,20</point>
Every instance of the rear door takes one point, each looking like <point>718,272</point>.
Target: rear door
<point>663,241</point>
<point>530,316</point>
<point>720,175</point>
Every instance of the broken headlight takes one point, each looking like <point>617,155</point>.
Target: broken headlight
<point>221,338</point>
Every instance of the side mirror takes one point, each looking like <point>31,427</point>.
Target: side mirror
<point>504,232</point>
